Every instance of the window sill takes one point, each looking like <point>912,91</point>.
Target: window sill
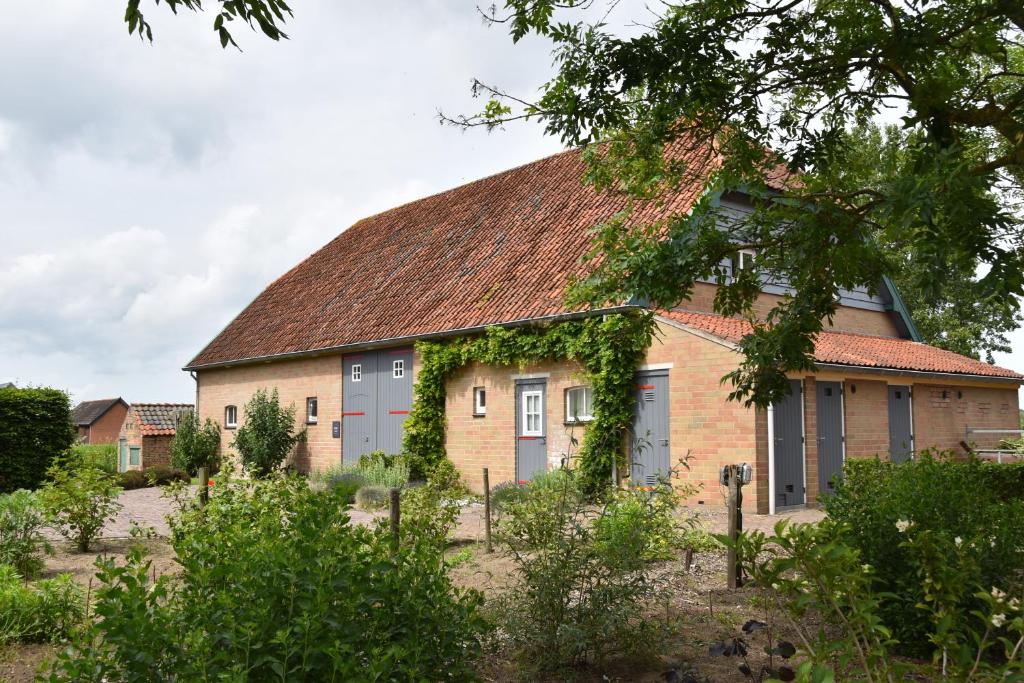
<point>479,414</point>
<point>314,422</point>
<point>230,426</point>
<point>577,423</point>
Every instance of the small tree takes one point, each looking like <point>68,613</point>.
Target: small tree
<point>195,445</point>
<point>268,434</point>
<point>79,500</point>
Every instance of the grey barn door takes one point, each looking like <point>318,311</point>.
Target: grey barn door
<point>830,435</point>
<point>901,436</point>
<point>649,451</point>
<point>394,397</point>
<point>359,406</point>
<point>789,448</point>
<point>531,428</point>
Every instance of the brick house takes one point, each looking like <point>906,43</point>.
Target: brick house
<point>144,440</point>
<point>335,335</point>
<point>99,421</point>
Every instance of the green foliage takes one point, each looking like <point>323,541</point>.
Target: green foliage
<point>506,493</point>
<point>79,500</point>
<point>22,543</point>
<point>158,475</point>
<point>981,504</point>
<point>268,435</point>
<point>44,612</point>
<point>346,484</point>
<point>429,512</point>
<point>609,348</point>
<point>130,480</point>
<point>277,584</point>
<point>102,456</point>
<point>677,108</point>
<point>372,497</point>
<point>35,428</point>
<point>195,445</point>
<point>265,15</point>
<point>389,472</point>
<point>813,571</point>
<point>583,584</point>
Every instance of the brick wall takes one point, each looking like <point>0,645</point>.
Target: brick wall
<point>703,423</point>
<point>866,406</point>
<point>156,450</point>
<point>847,318</point>
<point>942,413</point>
<point>132,435</point>
<point>489,441</point>
<point>295,380</point>
<point>108,426</point>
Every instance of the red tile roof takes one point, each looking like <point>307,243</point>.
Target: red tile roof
<point>847,348</point>
<point>497,250</point>
<point>160,419</point>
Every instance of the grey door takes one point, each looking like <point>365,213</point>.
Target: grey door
<point>649,450</point>
<point>531,429</point>
<point>394,397</point>
<point>830,435</point>
<point>122,455</point>
<point>901,435</point>
<point>358,406</point>
<point>789,447</point>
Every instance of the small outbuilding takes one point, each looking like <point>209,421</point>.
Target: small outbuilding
<point>99,421</point>
<point>146,433</point>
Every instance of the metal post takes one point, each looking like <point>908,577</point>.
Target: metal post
<point>395,515</point>
<point>204,486</point>
<point>487,509</point>
<point>615,471</point>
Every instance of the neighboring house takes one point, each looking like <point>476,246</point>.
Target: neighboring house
<point>335,335</point>
<point>145,437</point>
<point>7,385</point>
<point>99,421</point>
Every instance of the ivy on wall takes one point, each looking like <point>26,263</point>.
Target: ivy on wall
<point>608,347</point>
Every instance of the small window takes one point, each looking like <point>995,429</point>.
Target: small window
<point>357,373</point>
<point>743,260</point>
<point>579,404</point>
<point>311,410</point>
<point>479,401</point>
<point>398,369</point>
<point>133,457</point>
<point>533,415</point>
<point>230,417</point>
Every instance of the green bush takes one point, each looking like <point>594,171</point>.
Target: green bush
<point>129,480</point>
<point>372,497</point>
<point>161,475</point>
<point>195,445</point>
<point>79,501</point>
<point>979,503</point>
<point>277,584</point>
<point>268,434</point>
<point>22,543</point>
<point>347,483</point>
<point>44,612</point>
<point>35,428</point>
<point>505,493</point>
<point>584,588</point>
<point>379,473</point>
<point>430,511</point>
<point>102,456</point>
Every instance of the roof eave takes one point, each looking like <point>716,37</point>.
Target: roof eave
<point>391,341</point>
<point>870,370</point>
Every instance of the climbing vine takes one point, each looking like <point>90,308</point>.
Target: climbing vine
<point>609,348</point>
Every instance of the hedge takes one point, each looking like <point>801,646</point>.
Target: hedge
<point>35,427</point>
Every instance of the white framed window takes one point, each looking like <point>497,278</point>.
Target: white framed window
<point>397,369</point>
<point>357,373</point>
<point>533,413</point>
<point>230,417</point>
<point>743,259</point>
<point>311,410</point>
<point>479,401</point>
<point>579,404</point>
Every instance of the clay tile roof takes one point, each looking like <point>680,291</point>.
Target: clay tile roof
<point>87,412</point>
<point>848,348</point>
<point>159,419</point>
<point>497,250</point>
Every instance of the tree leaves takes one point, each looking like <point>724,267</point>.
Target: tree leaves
<point>265,15</point>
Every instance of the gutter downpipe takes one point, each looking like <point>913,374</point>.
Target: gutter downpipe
<point>195,378</point>
<point>771,459</point>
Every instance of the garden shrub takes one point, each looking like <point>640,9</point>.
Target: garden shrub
<point>79,501</point>
<point>22,543</point>
<point>129,480</point>
<point>46,611</point>
<point>35,428</point>
<point>161,475</point>
<point>979,503</point>
<point>372,497</point>
<point>505,493</point>
<point>583,584</point>
<point>430,511</point>
<point>102,456</point>
<point>195,445</point>
<point>346,484</point>
<point>392,473</point>
<point>277,584</point>
<point>268,434</point>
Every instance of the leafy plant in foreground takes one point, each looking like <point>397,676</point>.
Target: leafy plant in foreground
<point>268,435</point>
<point>195,445</point>
<point>79,501</point>
<point>22,543</point>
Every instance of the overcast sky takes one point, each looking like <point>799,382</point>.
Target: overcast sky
<point>149,192</point>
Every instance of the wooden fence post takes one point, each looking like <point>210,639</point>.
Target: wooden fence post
<point>204,486</point>
<point>395,515</point>
<point>487,509</point>
<point>732,557</point>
